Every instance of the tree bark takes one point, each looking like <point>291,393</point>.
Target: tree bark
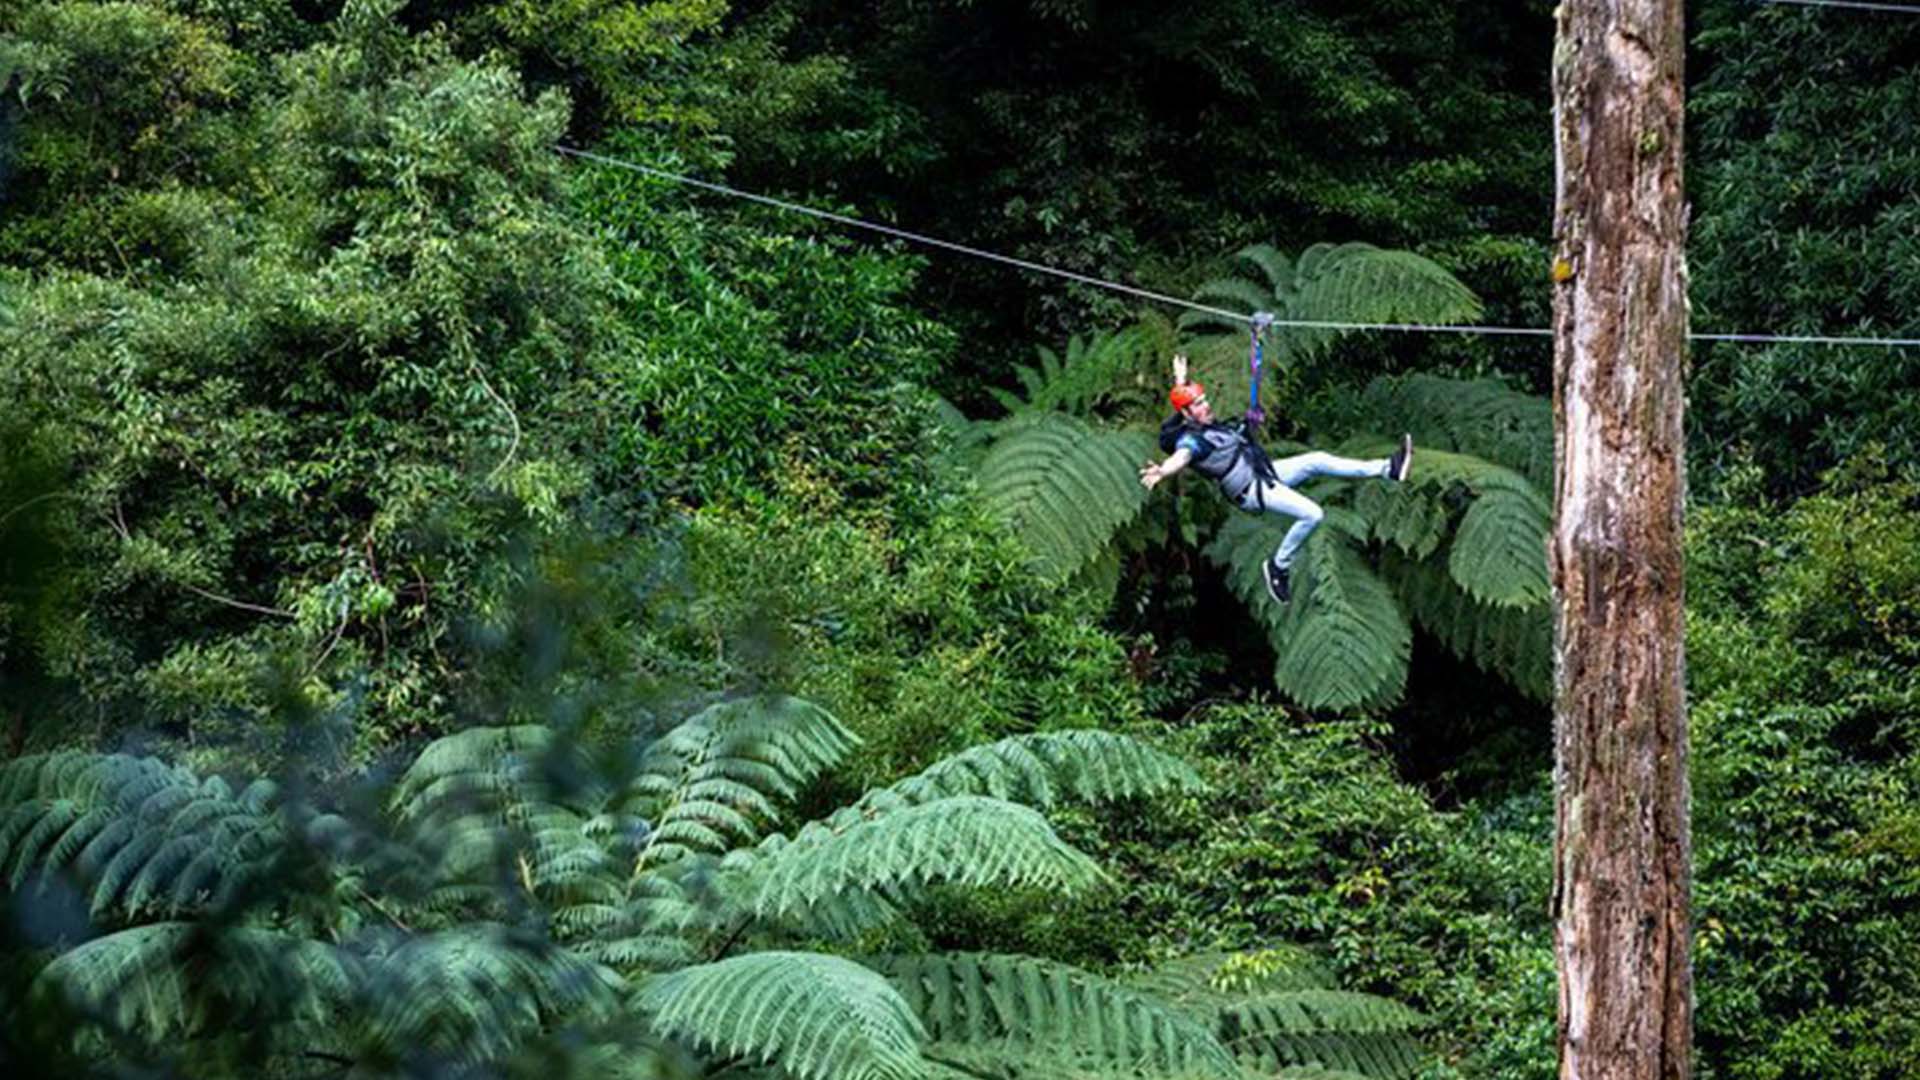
<point>1622,853</point>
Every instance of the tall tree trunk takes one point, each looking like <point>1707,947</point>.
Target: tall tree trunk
<point>1621,844</point>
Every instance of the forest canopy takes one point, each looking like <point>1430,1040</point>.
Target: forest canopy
<point>466,609</point>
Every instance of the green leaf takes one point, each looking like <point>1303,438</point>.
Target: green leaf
<point>967,840</point>
<point>711,783</point>
<point>1010,1007</point>
<point>1041,768</point>
<point>813,1015</point>
<point>1341,641</point>
<point>1063,488</point>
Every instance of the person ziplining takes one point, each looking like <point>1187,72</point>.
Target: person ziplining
<point>1230,454</point>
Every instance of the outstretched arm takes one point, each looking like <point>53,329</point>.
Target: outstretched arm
<point>1154,472</point>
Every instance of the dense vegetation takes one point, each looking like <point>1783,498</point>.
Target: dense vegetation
<point>467,611</point>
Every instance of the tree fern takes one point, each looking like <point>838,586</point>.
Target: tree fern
<point>1498,552</point>
<point>175,978</point>
<point>710,783</point>
<point>968,840</point>
<point>136,833</point>
<point>1330,1028</point>
<point>494,803</point>
<point>1051,1010</point>
<point>1062,487</point>
<point>1326,283</point>
<point>474,992</point>
<point>1344,638</point>
<point>566,841</point>
<point>1481,417</point>
<point>1513,643</point>
<point>1208,981</point>
<point>1099,367</point>
<point>817,1016</point>
<point>492,774</point>
<point>1278,1008</point>
<point>1341,642</point>
<point>1039,769</point>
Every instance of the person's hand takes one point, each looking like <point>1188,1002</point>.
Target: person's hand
<point>1151,474</point>
<point>1179,368</point>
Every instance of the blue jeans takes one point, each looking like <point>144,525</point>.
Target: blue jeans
<point>1280,498</point>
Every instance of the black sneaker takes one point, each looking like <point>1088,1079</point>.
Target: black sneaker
<point>1402,459</point>
<point>1279,582</point>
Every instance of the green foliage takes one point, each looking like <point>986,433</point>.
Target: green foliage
<point>817,1016</point>
<point>1119,140</point>
<point>759,349</point>
<point>1103,368</point>
<point>175,978</point>
<point>122,106</point>
<point>1307,835</point>
<point>968,839</point>
<point>1515,644</point>
<point>924,640</point>
<point>1341,641</point>
<point>1052,1011</point>
<point>1481,417</point>
<point>362,370</point>
<point>338,360</point>
<point>142,837</point>
<point>623,56</point>
<point>1357,1033</point>
<point>1805,671</point>
<point>1062,487</point>
<point>1801,134</point>
<point>595,908</point>
<point>708,784</point>
<point>1350,282</point>
<point>1040,770</point>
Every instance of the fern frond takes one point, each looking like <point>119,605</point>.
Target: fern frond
<point>1093,369</point>
<point>965,437</point>
<point>137,834</point>
<point>1334,1029</point>
<point>711,783</point>
<point>1039,769</point>
<point>639,952</point>
<point>482,770</point>
<point>1233,294</point>
<point>1515,644</point>
<point>174,978</point>
<point>1064,488</point>
<point>813,1015</point>
<point>1499,552</point>
<point>1362,283</point>
<point>1275,268</point>
<point>1341,641</point>
<point>1330,283</point>
<point>1412,517</point>
<point>474,993</point>
<point>1498,548</point>
<point>968,840</point>
<point>1481,417</point>
<point>1022,1005</point>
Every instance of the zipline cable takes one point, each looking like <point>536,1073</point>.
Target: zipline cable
<point>1163,298</point>
<point>1857,5</point>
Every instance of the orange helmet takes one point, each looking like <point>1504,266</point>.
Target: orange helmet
<point>1186,394</point>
